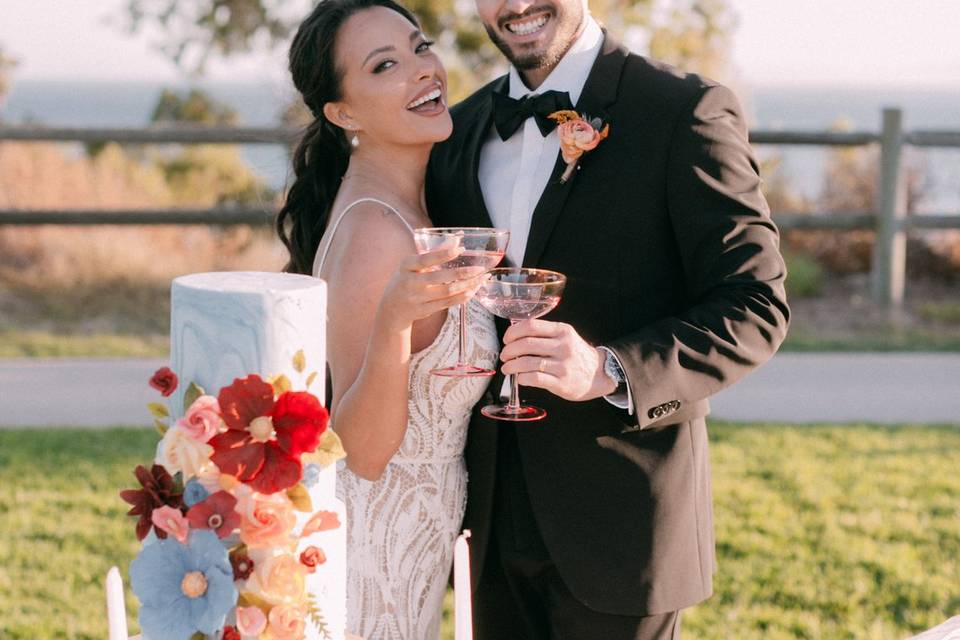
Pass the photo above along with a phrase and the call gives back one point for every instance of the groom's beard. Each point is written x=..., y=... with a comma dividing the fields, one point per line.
x=567, y=28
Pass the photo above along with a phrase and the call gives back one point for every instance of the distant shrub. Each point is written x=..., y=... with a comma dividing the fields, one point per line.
x=804, y=276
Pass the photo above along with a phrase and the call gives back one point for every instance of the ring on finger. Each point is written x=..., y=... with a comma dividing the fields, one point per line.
x=543, y=365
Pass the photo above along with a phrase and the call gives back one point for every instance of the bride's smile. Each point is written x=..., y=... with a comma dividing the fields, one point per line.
x=429, y=102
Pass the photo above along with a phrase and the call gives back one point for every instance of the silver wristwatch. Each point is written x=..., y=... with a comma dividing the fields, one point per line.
x=611, y=367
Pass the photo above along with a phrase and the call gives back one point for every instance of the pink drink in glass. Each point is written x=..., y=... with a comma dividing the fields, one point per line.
x=519, y=294
x=483, y=249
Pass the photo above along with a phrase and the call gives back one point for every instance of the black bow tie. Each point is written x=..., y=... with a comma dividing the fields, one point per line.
x=509, y=114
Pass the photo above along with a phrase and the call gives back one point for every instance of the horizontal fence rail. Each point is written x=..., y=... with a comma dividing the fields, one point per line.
x=890, y=221
x=73, y=217
x=172, y=134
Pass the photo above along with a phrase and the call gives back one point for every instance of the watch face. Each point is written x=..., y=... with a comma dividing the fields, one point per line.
x=612, y=368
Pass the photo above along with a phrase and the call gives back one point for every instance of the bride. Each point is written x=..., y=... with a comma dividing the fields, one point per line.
x=377, y=93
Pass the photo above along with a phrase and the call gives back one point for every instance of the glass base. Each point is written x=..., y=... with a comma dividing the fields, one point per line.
x=523, y=413
x=463, y=371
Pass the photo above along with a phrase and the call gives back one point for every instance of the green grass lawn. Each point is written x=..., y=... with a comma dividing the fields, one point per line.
x=822, y=532
x=45, y=344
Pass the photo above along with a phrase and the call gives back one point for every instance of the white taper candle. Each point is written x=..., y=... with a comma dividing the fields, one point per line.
x=116, y=611
x=463, y=607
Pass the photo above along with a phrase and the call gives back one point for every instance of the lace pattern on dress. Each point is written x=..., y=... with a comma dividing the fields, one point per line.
x=401, y=528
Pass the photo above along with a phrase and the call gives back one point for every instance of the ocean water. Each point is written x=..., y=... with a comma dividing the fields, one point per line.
x=812, y=108
x=859, y=109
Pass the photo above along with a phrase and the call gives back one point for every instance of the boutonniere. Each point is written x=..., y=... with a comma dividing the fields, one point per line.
x=578, y=134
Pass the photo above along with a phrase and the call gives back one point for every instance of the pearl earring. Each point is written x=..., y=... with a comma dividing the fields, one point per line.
x=355, y=141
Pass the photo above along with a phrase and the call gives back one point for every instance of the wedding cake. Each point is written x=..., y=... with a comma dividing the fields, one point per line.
x=257, y=340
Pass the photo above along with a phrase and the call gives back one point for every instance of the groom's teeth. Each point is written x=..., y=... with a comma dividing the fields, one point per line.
x=433, y=95
x=528, y=27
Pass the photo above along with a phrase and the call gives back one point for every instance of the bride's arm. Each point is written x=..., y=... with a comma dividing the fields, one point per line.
x=377, y=290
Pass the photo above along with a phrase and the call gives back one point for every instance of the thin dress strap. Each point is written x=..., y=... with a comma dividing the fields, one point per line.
x=318, y=264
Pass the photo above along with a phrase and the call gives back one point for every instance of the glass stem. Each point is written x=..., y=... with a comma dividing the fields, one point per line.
x=462, y=349
x=514, y=405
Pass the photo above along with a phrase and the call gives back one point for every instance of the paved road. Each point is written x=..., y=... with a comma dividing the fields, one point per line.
x=882, y=388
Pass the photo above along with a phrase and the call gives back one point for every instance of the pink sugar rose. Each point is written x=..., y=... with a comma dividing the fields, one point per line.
x=172, y=521
x=577, y=136
x=266, y=519
x=287, y=622
x=202, y=420
x=251, y=621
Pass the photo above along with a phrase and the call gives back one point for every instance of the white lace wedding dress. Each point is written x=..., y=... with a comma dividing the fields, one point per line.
x=401, y=528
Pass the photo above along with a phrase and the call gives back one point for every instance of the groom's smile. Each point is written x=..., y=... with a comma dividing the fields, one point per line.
x=527, y=27
x=532, y=35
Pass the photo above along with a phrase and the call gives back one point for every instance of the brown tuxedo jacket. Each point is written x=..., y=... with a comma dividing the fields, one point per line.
x=673, y=262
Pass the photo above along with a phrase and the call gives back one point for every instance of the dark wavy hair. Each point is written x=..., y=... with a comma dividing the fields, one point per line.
x=322, y=155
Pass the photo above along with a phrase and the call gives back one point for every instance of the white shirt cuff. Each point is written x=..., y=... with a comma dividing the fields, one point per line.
x=620, y=400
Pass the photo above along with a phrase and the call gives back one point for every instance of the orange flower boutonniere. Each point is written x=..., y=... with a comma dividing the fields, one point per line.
x=578, y=134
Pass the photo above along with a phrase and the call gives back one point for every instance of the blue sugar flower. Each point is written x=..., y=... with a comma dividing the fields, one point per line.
x=194, y=493
x=311, y=475
x=183, y=588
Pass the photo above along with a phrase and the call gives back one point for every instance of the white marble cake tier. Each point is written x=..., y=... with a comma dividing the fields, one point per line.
x=228, y=325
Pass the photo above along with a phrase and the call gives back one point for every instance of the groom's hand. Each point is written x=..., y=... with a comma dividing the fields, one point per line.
x=553, y=356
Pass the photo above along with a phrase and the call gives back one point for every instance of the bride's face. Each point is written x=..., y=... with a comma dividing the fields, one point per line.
x=394, y=87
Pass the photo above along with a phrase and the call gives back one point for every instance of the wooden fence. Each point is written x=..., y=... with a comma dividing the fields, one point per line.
x=889, y=221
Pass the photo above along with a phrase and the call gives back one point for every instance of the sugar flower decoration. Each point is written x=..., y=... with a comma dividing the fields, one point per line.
x=251, y=621
x=194, y=492
x=242, y=564
x=287, y=622
x=183, y=588
x=265, y=437
x=202, y=419
x=171, y=522
x=164, y=380
x=266, y=520
x=217, y=513
x=312, y=557
x=179, y=452
x=157, y=489
x=278, y=579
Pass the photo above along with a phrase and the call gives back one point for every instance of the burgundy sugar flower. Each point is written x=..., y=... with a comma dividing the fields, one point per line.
x=242, y=565
x=165, y=381
x=158, y=490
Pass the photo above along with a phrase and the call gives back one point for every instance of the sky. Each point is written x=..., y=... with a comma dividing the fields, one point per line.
x=776, y=42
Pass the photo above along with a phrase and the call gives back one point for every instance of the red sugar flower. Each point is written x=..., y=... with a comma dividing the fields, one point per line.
x=312, y=557
x=158, y=490
x=165, y=381
x=217, y=512
x=230, y=633
x=265, y=437
x=242, y=565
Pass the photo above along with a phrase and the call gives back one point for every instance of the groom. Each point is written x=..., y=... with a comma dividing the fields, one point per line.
x=597, y=521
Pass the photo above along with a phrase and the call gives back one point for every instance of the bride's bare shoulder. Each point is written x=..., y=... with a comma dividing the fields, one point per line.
x=370, y=238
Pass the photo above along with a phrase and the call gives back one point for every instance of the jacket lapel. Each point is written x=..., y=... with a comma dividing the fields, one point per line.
x=599, y=92
x=473, y=145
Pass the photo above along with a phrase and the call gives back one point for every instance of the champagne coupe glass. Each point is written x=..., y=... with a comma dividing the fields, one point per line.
x=483, y=249
x=519, y=294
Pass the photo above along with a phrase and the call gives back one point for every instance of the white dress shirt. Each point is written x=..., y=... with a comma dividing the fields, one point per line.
x=513, y=173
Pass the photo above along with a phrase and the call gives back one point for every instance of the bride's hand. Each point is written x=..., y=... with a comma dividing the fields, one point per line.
x=418, y=289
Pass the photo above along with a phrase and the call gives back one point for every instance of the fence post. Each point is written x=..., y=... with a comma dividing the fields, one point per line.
x=890, y=249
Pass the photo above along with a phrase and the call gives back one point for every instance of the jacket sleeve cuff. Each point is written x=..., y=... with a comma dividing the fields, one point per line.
x=621, y=399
